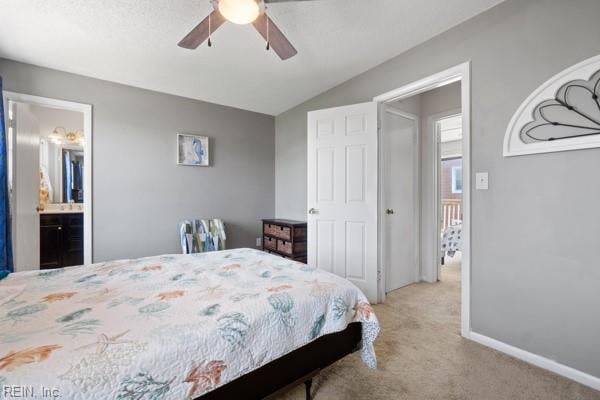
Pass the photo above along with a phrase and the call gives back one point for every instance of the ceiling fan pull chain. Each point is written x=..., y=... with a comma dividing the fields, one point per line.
x=209, y=32
x=268, y=42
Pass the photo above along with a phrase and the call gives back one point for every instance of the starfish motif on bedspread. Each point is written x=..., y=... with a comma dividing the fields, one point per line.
x=104, y=341
x=212, y=292
x=204, y=377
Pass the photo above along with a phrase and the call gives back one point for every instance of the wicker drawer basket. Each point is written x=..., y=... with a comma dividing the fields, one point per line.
x=282, y=232
x=270, y=243
x=291, y=248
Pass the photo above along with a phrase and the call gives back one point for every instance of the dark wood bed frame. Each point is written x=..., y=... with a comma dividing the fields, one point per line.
x=297, y=367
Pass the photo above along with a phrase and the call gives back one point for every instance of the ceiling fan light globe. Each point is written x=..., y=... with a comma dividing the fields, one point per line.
x=239, y=11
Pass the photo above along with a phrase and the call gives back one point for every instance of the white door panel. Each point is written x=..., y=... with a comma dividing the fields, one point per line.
x=401, y=156
x=342, y=193
x=325, y=236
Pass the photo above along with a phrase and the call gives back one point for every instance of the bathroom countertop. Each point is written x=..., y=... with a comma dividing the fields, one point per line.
x=63, y=209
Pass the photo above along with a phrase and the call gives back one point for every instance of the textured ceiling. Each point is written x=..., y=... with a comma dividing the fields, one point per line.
x=134, y=42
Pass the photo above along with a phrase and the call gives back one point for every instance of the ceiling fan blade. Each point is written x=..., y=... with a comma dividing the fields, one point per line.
x=277, y=39
x=200, y=33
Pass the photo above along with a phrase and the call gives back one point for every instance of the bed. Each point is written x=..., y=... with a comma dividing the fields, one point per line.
x=229, y=324
x=451, y=241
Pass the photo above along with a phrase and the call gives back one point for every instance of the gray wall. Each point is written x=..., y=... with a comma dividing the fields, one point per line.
x=535, y=269
x=139, y=194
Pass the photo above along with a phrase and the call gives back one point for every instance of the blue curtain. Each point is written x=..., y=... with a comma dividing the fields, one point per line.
x=6, y=264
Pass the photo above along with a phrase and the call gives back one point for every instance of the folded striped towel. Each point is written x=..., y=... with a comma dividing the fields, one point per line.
x=202, y=235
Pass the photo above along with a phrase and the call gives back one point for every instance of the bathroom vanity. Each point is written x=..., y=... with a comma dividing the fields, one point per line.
x=61, y=238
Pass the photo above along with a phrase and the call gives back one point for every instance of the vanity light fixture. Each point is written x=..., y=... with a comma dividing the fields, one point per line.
x=60, y=135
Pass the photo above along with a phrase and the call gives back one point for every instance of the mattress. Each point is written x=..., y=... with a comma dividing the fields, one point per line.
x=167, y=327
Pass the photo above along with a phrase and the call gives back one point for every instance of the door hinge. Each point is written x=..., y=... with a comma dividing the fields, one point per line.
x=378, y=275
x=12, y=123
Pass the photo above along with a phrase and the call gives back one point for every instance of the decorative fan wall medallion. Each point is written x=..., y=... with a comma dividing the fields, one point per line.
x=562, y=114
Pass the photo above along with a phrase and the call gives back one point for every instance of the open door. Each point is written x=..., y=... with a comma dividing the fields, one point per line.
x=400, y=153
x=342, y=193
x=26, y=188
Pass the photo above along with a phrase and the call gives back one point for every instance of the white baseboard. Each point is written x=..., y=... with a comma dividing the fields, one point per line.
x=538, y=361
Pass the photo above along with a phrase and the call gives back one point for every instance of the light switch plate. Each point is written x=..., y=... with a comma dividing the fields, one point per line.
x=481, y=181
x=258, y=242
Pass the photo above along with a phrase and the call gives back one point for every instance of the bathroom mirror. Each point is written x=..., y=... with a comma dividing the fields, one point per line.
x=61, y=165
x=72, y=175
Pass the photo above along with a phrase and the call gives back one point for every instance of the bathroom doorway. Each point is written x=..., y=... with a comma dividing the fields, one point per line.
x=49, y=158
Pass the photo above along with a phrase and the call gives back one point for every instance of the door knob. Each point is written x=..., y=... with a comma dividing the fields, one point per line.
x=389, y=211
x=312, y=211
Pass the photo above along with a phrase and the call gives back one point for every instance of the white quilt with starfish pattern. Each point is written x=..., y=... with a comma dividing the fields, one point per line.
x=167, y=327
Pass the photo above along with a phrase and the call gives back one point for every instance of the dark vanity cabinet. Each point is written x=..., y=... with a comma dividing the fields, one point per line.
x=61, y=240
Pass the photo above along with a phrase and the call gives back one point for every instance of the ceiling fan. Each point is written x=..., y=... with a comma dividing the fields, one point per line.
x=241, y=12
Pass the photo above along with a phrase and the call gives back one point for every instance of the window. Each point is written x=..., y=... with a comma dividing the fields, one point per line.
x=457, y=179
x=562, y=114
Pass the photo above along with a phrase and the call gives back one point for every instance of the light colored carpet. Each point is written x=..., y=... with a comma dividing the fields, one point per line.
x=421, y=355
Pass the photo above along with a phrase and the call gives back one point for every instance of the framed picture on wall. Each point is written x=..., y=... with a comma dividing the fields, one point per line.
x=192, y=150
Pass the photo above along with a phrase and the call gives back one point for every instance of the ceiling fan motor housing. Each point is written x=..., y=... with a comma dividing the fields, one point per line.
x=240, y=11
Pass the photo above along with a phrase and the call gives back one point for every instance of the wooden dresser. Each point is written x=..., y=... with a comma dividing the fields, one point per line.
x=286, y=238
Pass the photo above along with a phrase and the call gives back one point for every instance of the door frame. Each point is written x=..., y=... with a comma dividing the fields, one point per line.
x=435, y=268
x=382, y=167
x=462, y=73
x=86, y=109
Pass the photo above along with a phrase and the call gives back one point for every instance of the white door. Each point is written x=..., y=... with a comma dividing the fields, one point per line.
x=401, y=219
x=342, y=193
x=26, y=186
